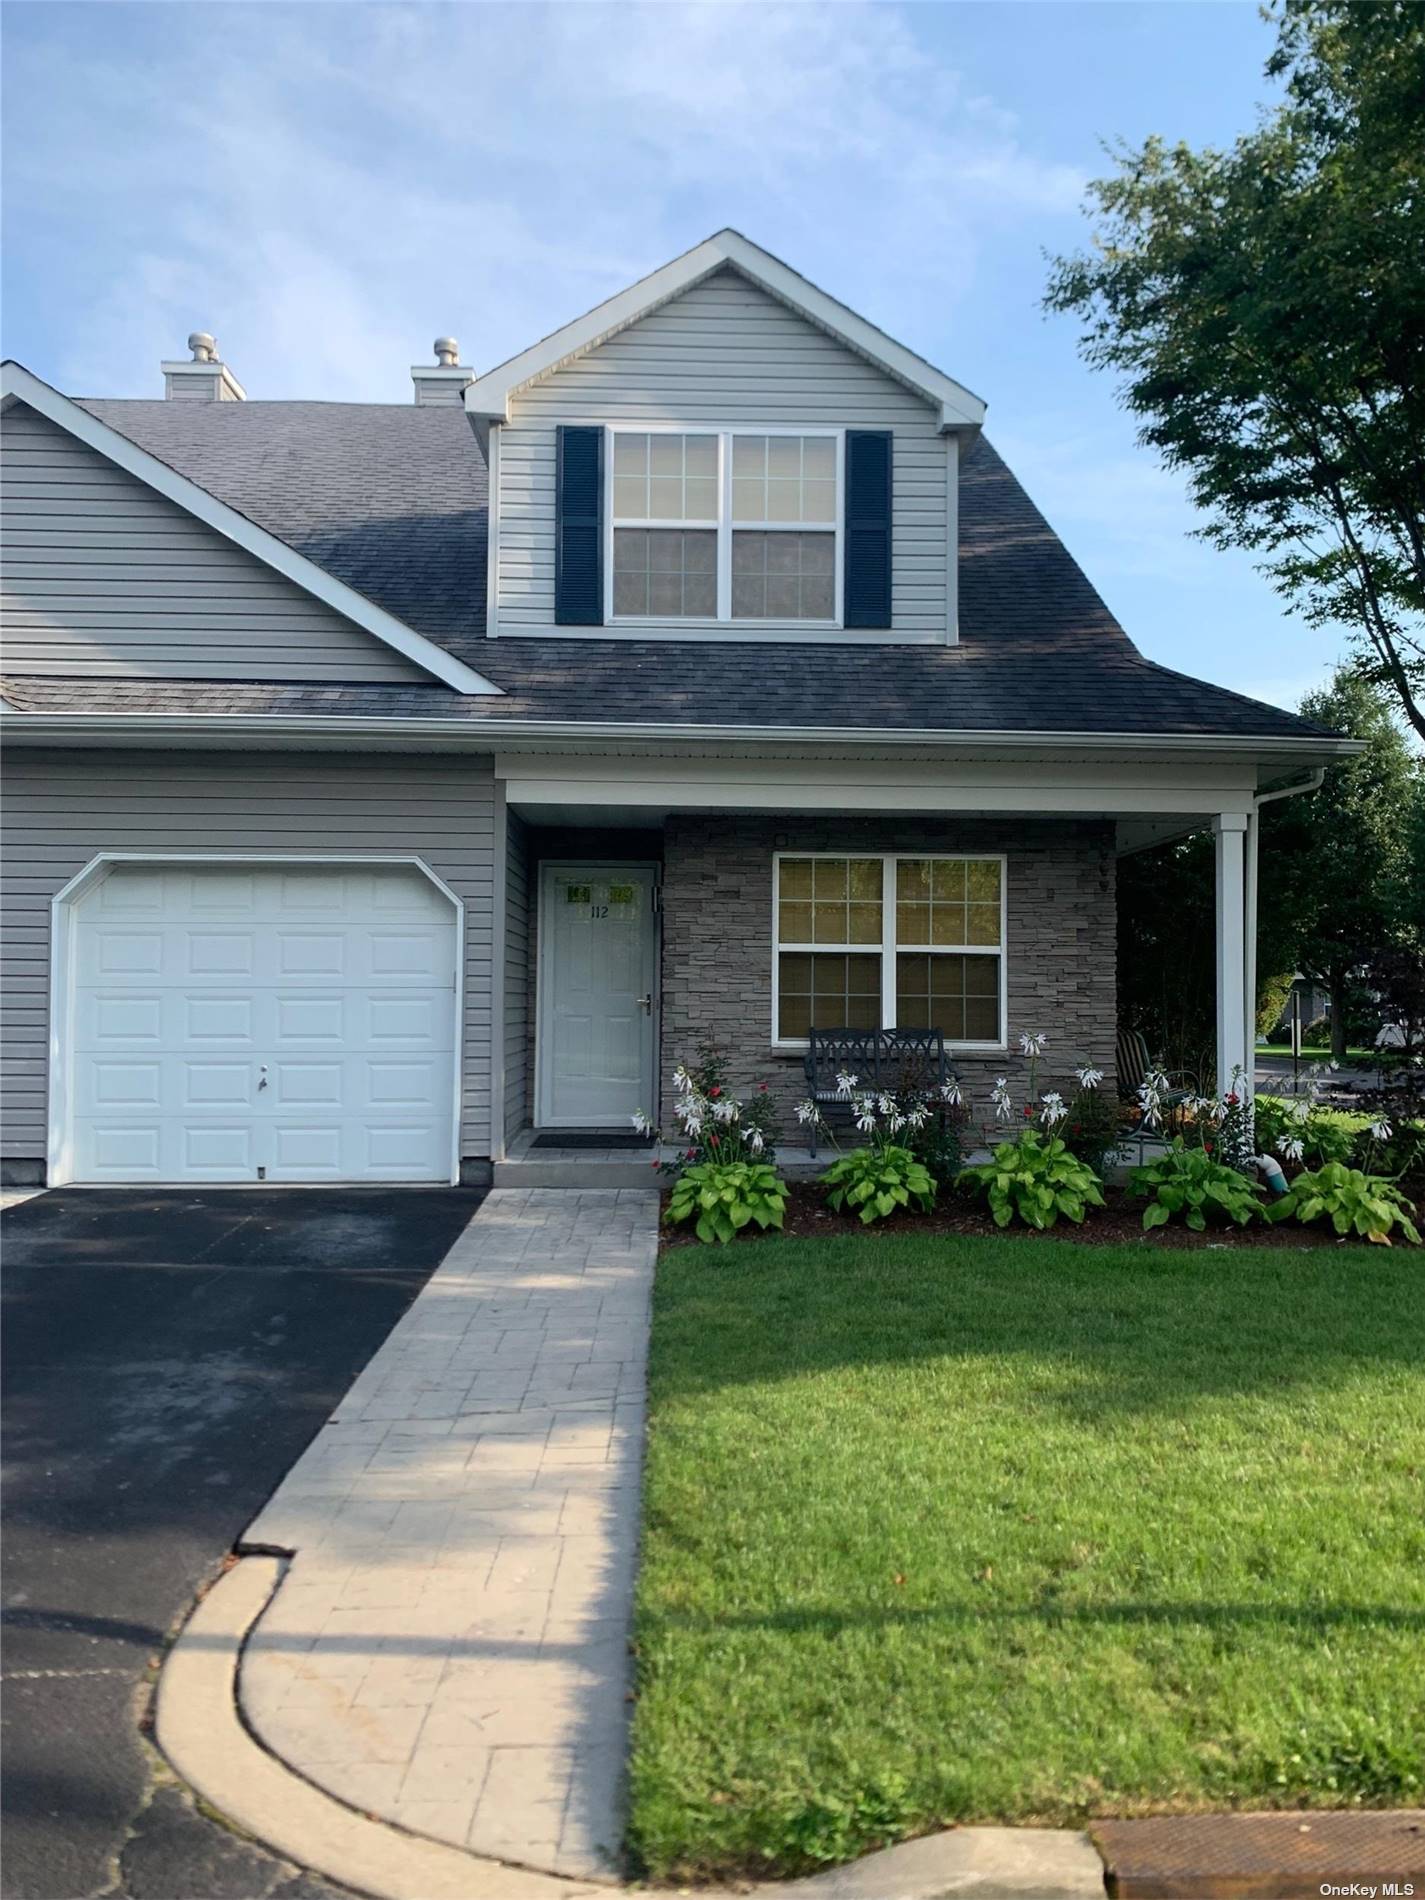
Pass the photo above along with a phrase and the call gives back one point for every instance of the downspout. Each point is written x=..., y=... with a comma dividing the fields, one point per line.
x=1311, y=783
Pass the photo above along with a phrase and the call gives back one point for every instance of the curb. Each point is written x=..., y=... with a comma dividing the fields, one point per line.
x=201, y=1732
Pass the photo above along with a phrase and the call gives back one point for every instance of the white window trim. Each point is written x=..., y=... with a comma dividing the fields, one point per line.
x=724, y=526
x=888, y=945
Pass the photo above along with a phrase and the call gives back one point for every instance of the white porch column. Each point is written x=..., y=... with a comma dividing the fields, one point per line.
x=1234, y=1024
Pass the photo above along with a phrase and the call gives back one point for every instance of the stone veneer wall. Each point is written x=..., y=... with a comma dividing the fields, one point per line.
x=717, y=939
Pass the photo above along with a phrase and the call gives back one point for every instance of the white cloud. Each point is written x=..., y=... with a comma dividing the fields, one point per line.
x=327, y=187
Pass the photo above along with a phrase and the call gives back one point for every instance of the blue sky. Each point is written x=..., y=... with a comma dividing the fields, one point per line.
x=326, y=187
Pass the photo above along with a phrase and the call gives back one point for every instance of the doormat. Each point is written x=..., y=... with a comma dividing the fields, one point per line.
x=589, y=1138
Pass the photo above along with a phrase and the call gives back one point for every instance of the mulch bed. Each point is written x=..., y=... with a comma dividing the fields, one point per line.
x=1120, y=1221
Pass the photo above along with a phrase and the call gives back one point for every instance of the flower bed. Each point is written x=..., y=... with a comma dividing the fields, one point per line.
x=1120, y=1219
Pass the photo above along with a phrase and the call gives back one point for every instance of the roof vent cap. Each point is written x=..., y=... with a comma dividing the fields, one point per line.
x=206, y=378
x=446, y=381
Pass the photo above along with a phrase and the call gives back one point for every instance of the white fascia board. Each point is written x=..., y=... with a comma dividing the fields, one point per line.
x=558, y=735
x=489, y=395
x=23, y=386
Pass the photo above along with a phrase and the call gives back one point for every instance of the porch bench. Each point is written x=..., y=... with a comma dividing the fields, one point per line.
x=880, y=1059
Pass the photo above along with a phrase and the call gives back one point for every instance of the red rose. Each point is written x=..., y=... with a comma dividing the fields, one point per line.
x=712, y=1141
x=1028, y=1114
x=1232, y=1101
x=714, y=1090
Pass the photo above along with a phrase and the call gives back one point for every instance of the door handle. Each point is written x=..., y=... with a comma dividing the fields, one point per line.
x=645, y=1003
x=262, y=1078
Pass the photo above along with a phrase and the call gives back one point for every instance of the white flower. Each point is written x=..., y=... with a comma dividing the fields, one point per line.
x=845, y=1083
x=807, y=1112
x=692, y=1122
x=1053, y=1109
x=895, y=1121
x=682, y=1081
x=950, y=1092
x=726, y=1109
x=917, y=1117
x=886, y=1104
x=641, y=1122
x=1381, y=1130
x=1000, y=1096
x=755, y=1141
x=1032, y=1045
x=866, y=1116
x=1289, y=1147
x=1150, y=1095
x=1298, y=1111
x=1089, y=1078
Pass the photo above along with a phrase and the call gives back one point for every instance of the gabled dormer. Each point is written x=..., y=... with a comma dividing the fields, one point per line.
x=724, y=452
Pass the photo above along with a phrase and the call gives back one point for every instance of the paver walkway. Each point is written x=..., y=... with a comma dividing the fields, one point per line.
x=448, y=1649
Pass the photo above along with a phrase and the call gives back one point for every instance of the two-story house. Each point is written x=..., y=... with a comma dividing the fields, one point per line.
x=383, y=781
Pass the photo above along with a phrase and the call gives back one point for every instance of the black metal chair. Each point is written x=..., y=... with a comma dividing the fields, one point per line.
x=1134, y=1064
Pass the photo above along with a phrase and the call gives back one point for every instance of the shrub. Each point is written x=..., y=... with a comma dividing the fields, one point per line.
x=1299, y=1130
x=1035, y=1178
x=878, y=1180
x=1092, y=1128
x=939, y=1143
x=713, y=1123
x=1317, y=1033
x=1355, y=1203
x=1187, y=1181
x=724, y=1196
x=1402, y=1151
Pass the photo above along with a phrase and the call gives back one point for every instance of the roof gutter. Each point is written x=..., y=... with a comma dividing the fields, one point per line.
x=489, y=734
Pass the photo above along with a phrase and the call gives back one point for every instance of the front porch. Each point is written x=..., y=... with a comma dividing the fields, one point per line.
x=639, y=916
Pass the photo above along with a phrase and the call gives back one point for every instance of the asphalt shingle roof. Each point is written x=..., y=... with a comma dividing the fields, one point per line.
x=392, y=500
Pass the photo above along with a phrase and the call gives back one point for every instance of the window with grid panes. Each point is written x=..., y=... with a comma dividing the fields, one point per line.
x=886, y=941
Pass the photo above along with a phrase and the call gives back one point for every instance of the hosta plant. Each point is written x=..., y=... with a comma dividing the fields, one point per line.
x=723, y=1197
x=1034, y=1178
x=1353, y=1202
x=1186, y=1182
x=879, y=1180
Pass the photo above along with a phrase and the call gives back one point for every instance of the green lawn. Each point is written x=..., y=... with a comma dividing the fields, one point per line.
x=945, y=1530
x=1355, y=1053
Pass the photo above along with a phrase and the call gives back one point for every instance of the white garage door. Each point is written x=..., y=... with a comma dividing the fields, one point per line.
x=259, y=1023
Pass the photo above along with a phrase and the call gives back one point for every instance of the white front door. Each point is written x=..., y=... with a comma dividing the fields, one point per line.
x=598, y=955
x=262, y=1023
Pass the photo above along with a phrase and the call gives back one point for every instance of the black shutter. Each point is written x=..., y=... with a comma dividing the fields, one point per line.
x=579, y=529
x=866, y=589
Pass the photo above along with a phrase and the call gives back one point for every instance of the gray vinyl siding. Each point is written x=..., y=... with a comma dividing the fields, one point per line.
x=723, y=353
x=101, y=575
x=61, y=809
x=519, y=938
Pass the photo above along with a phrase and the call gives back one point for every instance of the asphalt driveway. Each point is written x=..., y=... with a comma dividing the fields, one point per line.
x=166, y=1357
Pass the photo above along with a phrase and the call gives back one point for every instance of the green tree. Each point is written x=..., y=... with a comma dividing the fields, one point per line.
x=1263, y=308
x=1339, y=860
x=1341, y=883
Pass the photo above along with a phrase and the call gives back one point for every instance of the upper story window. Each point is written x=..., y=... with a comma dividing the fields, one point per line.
x=725, y=525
